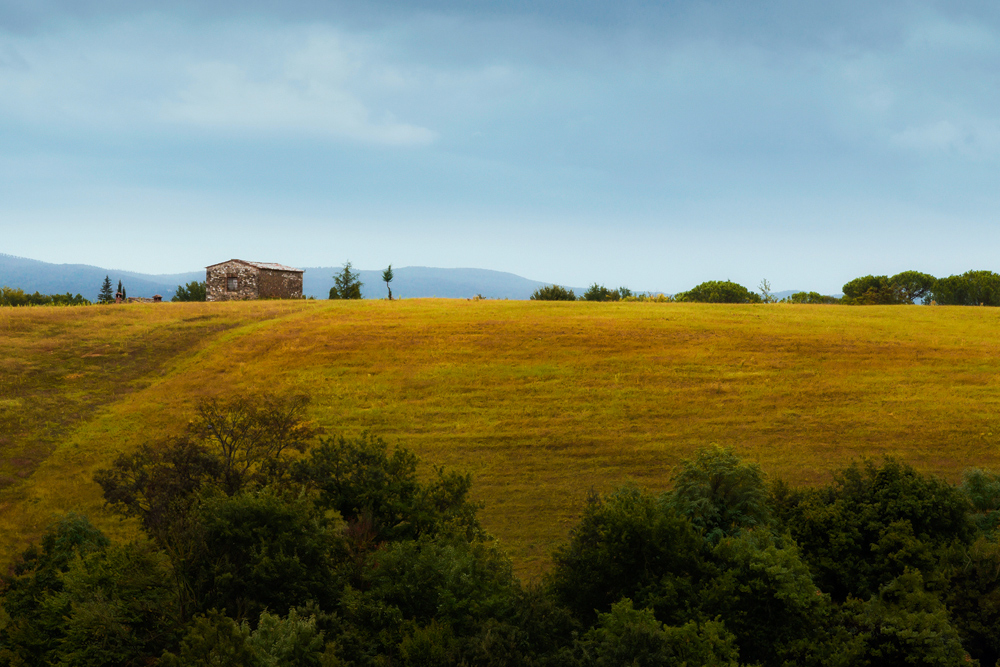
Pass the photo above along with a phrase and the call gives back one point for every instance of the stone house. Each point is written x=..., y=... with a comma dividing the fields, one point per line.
x=239, y=280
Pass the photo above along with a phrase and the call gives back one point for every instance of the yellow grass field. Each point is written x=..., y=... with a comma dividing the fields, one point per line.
x=541, y=401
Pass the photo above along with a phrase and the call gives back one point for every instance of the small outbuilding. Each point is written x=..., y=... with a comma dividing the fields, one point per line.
x=240, y=280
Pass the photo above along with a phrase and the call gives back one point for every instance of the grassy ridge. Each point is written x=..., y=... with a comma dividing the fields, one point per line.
x=542, y=402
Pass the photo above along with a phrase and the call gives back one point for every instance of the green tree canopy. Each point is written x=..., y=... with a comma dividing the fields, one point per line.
x=811, y=298
x=630, y=544
x=553, y=293
x=720, y=493
x=914, y=285
x=600, y=293
x=378, y=490
x=193, y=291
x=873, y=522
x=719, y=291
x=873, y=291
x=973, y=288
x=261, y=550
x=765, y=595
x=633, y=637
x=903, y=624
x=34, y=630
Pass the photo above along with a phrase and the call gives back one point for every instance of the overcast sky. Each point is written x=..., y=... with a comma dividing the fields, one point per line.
x=651, y=145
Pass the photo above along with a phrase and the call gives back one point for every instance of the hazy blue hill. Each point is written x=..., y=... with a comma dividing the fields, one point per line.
x=423, y=281
x=409, y=282
x=34, y=276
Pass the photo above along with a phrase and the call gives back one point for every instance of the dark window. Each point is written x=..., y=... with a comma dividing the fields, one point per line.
x=231, y=283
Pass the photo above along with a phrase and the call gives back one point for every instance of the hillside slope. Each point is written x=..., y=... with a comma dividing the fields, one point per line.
x=541, y=402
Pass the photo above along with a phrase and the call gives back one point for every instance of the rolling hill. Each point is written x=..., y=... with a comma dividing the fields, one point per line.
x=542, y=402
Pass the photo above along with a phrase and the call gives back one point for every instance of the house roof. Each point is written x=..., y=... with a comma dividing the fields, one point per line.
x=260, y=265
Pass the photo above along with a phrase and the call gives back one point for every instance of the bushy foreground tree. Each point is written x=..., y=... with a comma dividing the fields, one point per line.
x=721, y=494
x=268, y=544
x=79, y=600
x=873, y=523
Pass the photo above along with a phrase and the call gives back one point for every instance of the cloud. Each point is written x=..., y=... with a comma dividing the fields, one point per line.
x=307, y=95
x=139, y=75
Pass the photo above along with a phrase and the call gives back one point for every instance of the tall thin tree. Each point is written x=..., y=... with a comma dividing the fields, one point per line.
x=387, y=278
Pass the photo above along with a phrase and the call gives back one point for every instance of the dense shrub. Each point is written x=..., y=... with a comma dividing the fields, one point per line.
x=719, y=291
x=601, y=293
x=649, y=297
x=811, y=298
x=193, y=291
x=553, y=293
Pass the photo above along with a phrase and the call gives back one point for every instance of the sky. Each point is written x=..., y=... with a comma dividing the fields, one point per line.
x=652, y=145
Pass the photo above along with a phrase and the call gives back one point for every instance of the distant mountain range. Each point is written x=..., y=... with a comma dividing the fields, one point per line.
x=409, y=281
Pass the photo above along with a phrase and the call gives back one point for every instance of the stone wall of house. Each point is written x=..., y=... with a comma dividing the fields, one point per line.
x=273, y=284
x=217, y=282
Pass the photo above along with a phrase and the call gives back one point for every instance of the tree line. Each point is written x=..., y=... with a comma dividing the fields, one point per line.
x=973, y=288
x=266, y=542
x=17, y=297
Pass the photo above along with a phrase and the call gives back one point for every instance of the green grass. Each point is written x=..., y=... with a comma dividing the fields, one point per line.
x=540, y=401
